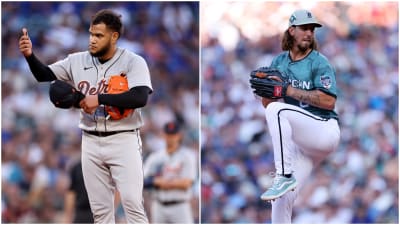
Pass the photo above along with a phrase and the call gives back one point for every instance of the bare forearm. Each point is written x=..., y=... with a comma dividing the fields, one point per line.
x=69, y=203
x=181, y=183
x=315, y=98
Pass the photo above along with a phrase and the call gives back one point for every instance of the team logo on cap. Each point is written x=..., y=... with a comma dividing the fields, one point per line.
x=309, y=15
x=292, y=18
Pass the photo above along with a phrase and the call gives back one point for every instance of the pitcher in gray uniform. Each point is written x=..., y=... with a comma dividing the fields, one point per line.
x=111, y=149
x=170, y=174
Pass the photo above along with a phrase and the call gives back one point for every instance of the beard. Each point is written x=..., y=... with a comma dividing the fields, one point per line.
x=101, y=52
x=304, y=47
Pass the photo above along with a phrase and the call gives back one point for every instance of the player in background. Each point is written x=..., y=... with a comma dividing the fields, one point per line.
x=111, y=149
x=76, y=202
x=304, y=128
x=169, y=174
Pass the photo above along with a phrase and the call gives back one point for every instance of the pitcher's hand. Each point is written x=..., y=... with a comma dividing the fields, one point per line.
x=25, y=44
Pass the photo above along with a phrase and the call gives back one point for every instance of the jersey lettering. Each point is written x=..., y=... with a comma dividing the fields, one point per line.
x=305, y=85
x=85, y=88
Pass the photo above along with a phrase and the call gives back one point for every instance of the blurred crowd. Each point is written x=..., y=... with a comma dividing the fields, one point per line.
x=358, y=183
x=39, y=141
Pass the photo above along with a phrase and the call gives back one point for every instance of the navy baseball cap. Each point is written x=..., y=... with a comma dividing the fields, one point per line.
x=302, y=17
x=172, y=128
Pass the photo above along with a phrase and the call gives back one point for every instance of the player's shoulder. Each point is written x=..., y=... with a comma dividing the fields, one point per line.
x=319, y=57
x=187, y=152
x=155, y=156
x=158, y=154
x=129, y=55
x=80, y=54
x=282, y=55
x=280, y=58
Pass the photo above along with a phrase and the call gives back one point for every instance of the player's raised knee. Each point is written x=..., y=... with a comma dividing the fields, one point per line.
x=274, y=107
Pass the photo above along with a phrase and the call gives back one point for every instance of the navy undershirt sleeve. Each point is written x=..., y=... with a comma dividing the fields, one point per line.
x=136, y=97
x=40, y=71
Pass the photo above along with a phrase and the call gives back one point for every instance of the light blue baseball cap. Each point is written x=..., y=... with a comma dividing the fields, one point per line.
x=302, y=17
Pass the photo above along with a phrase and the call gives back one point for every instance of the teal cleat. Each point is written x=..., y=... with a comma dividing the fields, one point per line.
x=280, y=186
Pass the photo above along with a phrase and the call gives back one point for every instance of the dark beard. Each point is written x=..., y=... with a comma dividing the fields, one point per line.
x=303, y=48
x=101, y=52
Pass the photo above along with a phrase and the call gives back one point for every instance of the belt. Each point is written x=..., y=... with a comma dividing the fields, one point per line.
x=171, y=202
x=108, y=133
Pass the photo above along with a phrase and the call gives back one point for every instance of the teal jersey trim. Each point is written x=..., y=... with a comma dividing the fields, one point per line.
x=310, y=73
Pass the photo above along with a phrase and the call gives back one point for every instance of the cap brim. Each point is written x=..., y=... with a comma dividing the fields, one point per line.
x=313, y=23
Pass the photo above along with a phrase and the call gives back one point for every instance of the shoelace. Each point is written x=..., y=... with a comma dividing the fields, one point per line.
x=277, y=179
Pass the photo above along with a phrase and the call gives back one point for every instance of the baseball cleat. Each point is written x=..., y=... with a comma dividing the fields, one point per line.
x=280, y=187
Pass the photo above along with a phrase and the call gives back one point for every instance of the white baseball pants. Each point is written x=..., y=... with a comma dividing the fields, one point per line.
x=301, y=141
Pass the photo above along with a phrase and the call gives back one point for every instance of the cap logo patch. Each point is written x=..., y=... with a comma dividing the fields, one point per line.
x=292, y=19
x=309, y=15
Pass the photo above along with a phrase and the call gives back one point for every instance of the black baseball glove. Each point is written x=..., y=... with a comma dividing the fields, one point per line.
x=63, y=95
x=269, y=83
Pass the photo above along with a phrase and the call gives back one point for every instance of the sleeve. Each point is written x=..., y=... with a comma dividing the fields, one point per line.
x=273, y=63
x=136, y=97
x=190, y=170
x=139, y=75
x=62, y=69
x=40, y=71
x=325, y=78
x=149, y=168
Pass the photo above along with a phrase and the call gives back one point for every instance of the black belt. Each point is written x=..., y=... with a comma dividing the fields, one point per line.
x=171, y=202
x=108, y=133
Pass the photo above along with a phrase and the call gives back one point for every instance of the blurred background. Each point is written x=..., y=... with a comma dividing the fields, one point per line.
x=359, y=182
x=40, y=142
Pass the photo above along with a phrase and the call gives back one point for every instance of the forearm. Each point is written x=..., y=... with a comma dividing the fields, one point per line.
x=177, y=183
x=315, y=98
x=40, y=71
x=69, y=203
x=134, y=98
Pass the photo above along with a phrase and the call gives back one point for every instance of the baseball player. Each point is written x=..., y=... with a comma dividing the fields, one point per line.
x=304, y=127
x=170, y=174
x=111, y=148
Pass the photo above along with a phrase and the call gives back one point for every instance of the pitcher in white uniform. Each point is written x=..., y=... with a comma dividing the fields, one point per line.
x=111, y=149
x=170, y=174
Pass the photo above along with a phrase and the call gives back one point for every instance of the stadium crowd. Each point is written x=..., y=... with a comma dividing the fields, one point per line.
x=358, y=183
x=39, y=141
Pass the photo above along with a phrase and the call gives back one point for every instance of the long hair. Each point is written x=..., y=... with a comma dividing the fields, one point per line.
x=288, y=40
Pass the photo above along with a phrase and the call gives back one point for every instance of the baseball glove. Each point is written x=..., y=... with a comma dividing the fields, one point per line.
x=63, y=95
x=116, y=85
x=268, y=83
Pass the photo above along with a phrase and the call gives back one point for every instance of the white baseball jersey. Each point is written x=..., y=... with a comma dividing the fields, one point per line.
x=91, y=77
x=180, y=164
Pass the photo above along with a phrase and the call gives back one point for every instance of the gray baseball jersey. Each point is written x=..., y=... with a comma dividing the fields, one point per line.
x=115, y=158
x=180, y=164
x=90, y=77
